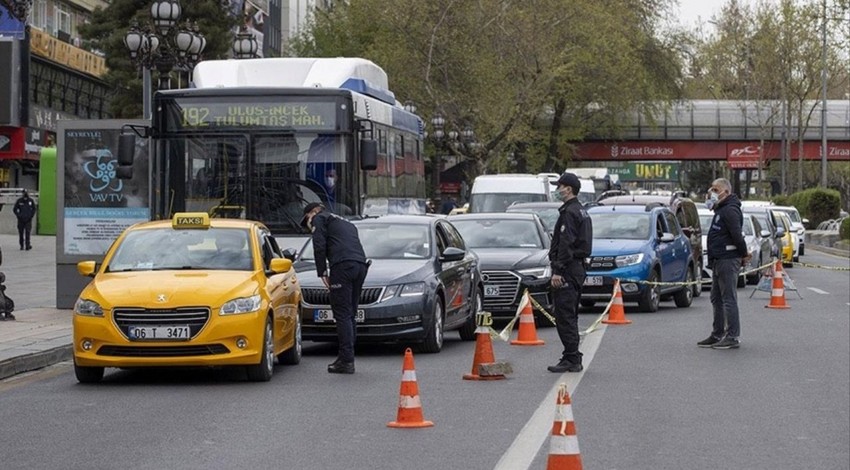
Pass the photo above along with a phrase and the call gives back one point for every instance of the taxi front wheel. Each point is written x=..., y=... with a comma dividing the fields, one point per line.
x=88, y=375
x=263, y=371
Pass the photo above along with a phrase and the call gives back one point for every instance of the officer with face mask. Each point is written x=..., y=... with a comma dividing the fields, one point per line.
x=572, y=242
x=341, y=264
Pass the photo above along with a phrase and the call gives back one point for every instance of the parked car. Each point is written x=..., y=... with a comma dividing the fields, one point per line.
x=638, y=243
x=798, y=224
x=513, y=251
x=788, y=237
x=547, y=211
x=190, y=291
x=767, y=221
x=423, y=281
x=685, y=211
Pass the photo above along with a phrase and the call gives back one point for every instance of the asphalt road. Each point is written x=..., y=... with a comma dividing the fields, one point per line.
x=648, y=399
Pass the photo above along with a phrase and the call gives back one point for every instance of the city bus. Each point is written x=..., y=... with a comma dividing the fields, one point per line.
x=262, y=138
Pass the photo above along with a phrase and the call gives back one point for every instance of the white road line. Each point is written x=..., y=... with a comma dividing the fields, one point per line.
x=818, y=291
x=525, y=446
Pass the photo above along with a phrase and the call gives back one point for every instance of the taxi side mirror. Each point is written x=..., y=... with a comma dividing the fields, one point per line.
x=86, y=268
x=280, y=265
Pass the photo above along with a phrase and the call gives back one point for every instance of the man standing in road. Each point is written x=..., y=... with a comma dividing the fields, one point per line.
x=572, y=242
x=337, y=249
x=727, y=252
x=24, y=210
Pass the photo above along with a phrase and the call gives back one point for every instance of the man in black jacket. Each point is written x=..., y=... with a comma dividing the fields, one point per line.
x=25, y=211
x=337, y=249
x=727, y=252
x=572, y=241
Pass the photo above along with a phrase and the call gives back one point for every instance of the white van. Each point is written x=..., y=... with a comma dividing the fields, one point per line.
x=494, y=193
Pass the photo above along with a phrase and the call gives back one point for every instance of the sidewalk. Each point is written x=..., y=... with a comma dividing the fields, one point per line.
x=41, y=335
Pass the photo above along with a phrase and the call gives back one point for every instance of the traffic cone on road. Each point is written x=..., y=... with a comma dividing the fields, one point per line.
x=563, y=443
x=527, y=335
x=409, y=404
x=483, y=349
x=777, y=292
x=616, y=313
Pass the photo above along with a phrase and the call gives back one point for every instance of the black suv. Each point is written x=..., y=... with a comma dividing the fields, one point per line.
x=686, y=213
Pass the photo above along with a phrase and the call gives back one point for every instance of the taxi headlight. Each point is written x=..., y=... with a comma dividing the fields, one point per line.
x=88, y=307
x=414, y=288
x=628, y=260
x=241, y=305
x=538, y=273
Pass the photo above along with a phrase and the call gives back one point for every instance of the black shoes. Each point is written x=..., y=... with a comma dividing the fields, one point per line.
x=339, y=367
x=565, y=366
x=29, y=247
x=708, y=342
x=727, y=343
x=6, y=317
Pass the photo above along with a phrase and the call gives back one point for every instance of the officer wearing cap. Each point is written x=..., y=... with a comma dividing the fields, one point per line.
x=341, y=264
x=571, y=245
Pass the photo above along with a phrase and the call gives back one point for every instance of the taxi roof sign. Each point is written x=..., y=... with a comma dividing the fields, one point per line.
x=190, y=220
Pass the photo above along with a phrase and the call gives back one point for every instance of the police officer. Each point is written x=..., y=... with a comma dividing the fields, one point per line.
x=571, y=245
x=25, y=210
x=337, y=249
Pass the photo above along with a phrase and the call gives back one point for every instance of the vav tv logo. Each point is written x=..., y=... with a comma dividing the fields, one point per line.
x=102, y=171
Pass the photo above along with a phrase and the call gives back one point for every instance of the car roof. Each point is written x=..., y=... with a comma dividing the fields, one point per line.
x=399, y=219
x=640, y=199
x=493, y=215
x=624, y=208
x=536, y=205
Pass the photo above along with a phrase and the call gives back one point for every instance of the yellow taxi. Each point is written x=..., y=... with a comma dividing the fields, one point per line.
x=787, y=252
x=190, y=291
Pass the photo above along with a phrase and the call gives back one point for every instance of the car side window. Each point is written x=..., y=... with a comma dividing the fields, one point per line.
x=659, y=226
x=455, y=238
x=442, y=240
x=268, y=248
x=672, y=224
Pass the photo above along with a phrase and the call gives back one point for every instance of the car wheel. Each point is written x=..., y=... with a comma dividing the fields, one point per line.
x=742, y=281
x=753, y=278
x=434, y=332
x=263, y=371
x=292, y=355
x=467, y=331
x=651, y=295
x=88, y=375
x=684, y=297
x=697, y=288
x=587, y=303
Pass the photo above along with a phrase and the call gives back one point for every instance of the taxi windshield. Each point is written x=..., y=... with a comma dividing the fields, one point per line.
x=169, y=249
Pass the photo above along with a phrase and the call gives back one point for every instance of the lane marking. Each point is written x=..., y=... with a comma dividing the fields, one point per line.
x=526, y=445
x=818, y=291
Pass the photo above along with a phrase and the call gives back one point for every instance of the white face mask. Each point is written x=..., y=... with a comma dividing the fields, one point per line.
x=562, y=191
x=330, y=181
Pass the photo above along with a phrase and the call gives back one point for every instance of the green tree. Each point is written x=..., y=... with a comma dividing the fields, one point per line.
x=109, y=25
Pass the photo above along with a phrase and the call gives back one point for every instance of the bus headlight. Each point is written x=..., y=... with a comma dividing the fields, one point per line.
x=241, y=305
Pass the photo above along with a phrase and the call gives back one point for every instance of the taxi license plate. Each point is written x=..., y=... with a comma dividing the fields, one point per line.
x=327, y=315
x=159, y=332
x=491, y=291
x=593, y=281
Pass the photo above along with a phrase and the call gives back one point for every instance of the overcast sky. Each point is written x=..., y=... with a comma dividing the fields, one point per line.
x=692, y=10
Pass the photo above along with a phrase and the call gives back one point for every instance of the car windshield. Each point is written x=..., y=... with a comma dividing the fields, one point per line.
x=548, y=215
x=499, y=202
x=495, y=233
x=165, y=248
x=619, y=225
x=389, y=241
x=747, y=228
x=793, y=215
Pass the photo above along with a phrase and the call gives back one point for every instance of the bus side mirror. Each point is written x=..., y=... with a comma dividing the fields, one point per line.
x=368, y=154
x=126, y=149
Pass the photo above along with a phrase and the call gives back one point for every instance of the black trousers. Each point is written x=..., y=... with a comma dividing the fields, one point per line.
x=346, y=281
x=24, y=229
x=566, y=300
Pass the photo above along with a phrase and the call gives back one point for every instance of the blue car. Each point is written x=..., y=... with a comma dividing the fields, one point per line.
x=637, y=244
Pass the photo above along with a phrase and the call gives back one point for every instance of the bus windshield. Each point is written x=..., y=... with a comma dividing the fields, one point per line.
x=261, y=176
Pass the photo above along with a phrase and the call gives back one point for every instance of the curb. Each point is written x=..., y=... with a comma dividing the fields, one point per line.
x=34, y=361
x=830, y=250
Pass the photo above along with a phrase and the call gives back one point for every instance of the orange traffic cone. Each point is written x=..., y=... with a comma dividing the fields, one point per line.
x=563, y=443
x=483, y=349
x=777, y=293
x=527, y=335
x=616, y=313
x=409, y=404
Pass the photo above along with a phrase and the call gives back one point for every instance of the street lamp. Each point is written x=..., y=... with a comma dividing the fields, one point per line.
x=245, y=45
x=163, y=46
x=18, y=9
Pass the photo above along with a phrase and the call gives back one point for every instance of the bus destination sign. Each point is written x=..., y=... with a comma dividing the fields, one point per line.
x=191, y=114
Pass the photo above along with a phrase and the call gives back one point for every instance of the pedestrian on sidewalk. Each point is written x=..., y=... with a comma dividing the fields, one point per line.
x=727, y=253
x=24, y=210
x=6, y=304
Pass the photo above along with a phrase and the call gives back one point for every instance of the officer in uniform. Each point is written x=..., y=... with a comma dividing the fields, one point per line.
x=571, y=245
x=337, y=249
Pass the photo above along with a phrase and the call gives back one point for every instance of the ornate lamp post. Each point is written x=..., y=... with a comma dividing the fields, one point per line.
x=163, y=45
x=245, y=45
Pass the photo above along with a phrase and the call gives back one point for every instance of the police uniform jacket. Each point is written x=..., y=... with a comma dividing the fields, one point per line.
x=24, y=208
x=334, y=240
x=572, y=241
x=725, y=239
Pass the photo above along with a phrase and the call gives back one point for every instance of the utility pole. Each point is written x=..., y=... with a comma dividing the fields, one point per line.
x=823, y=179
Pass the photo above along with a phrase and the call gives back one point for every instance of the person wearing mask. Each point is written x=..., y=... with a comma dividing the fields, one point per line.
x=727, y=252
x=24, y=210
x=342, y=266
x=572, y=242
